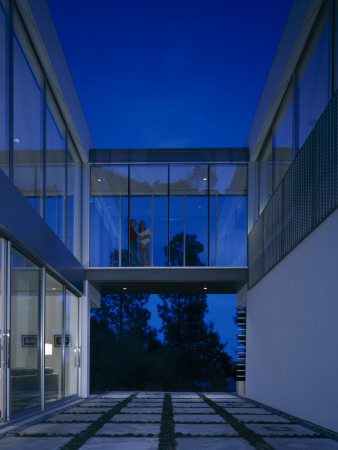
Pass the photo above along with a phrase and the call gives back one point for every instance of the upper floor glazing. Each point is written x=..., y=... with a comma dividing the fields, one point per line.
x=312, y=84
x=196, y=214
x=37, y=150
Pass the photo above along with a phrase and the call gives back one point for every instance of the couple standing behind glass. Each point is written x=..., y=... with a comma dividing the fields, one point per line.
x=143, y=235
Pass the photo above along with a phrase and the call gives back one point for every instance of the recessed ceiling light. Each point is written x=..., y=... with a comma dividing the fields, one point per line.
x=205, y=288
x=124, y=289
x=16, y=140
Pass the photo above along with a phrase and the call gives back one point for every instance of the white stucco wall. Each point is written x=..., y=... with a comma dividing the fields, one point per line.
x=292, y=331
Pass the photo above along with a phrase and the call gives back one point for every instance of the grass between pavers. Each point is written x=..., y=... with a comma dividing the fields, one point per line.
x=254, y=439
x=89, y=432
x=167, y=432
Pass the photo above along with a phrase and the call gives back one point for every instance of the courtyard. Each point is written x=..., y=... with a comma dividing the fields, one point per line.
x=158, y=420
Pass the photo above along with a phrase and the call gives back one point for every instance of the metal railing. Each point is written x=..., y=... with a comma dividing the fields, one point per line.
x=305, y=197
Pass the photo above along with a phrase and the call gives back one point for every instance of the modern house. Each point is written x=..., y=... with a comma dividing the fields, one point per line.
x=260, y=222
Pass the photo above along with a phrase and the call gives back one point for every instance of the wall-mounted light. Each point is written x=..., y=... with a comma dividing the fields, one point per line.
x=17, y=140
x=205, y=179
x=124, y=288
x=99, y=179
x=205, y=288
x=48, y=349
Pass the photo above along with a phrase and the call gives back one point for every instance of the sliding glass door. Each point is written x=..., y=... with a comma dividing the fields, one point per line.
x=25, y=380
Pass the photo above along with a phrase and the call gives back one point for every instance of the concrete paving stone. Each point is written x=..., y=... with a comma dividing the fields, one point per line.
x=153, y=396
x=213, y=443
x=80, y=409
x=187, y=400
x=302, y=444
x=198, y=418
x=193, y=410
x=34, y=443
x=220, y=396
x=190, y=405
x=252, y=410
x=186, y=396
x=74, y=417
x=120, y=443
x=130, y=428
x=96, y=405
x=260, y=418
x=116, y=396
x=280, y=430
x=145, y=402
x=136, y=418
x=56, y=428
x=137, y=410
x=205, y=429
x=230, y=400
x=103, y=401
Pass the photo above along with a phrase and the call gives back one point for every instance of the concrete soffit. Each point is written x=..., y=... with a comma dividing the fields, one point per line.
x=47, y=66
x=286, y=78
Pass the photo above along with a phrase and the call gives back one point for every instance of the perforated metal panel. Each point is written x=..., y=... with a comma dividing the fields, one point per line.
x=306, y=196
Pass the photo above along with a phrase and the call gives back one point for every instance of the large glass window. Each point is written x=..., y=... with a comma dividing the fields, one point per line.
x=25, y=334
x=28, y=119
x=55, y=168
x=149, y=204
x=185, y=228
x=53, y=340
x=109, y=216
x=228, y=215
x=73, y=240
x=4, y=111
x=314, y=79
x=188, y=245
x=71, y=344
x=265, y=175
x=282, y=141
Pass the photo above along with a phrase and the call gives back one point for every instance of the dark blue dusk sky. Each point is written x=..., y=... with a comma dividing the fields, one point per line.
x=169, y=73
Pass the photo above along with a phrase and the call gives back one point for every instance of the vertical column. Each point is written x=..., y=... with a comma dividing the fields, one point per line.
x=42, y=333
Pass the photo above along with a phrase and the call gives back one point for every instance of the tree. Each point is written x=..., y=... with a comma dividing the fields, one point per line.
x=192, y=249
x=123, y=345
x=200, y=354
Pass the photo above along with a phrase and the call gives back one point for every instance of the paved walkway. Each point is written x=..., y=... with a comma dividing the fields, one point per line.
x=153, y=420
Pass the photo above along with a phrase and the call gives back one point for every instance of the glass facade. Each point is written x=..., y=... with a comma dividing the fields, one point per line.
x=54, y=329
x=4, y=92
x=282, y=139
x=28, y=112
x=313, y=77
x=55, y=168
x=313, y=84
x=25, y=381
x=72, y=351
x=37, y=150
x=195, y=215
x=42, y=316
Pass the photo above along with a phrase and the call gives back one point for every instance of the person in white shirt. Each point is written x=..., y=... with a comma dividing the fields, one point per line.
x=144, y=235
